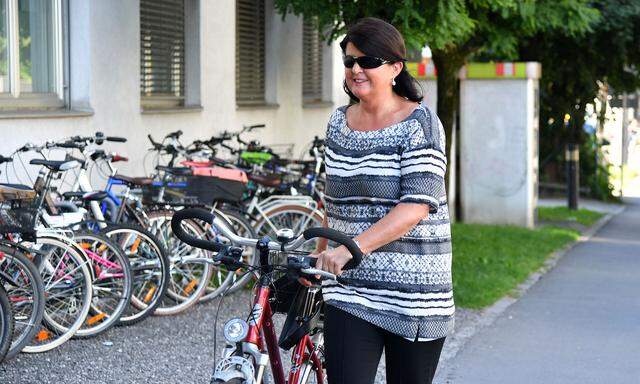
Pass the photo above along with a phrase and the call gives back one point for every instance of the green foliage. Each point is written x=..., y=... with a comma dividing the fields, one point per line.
x=595, y=174
x=489, y=261
x=496, y=25
x=574, y=69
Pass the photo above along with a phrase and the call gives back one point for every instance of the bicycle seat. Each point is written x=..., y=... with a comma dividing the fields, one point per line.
x=133, y=180
x=56, y=165
x=271, y=181
x=86, y=196
x=176, y=171
x=12, y=192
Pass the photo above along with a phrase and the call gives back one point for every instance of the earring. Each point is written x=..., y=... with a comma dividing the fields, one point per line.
x=393, y=82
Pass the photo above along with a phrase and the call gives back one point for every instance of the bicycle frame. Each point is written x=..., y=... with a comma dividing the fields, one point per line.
x=262, y=335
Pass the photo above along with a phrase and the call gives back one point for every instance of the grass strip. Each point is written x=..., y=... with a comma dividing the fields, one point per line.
x=489, y=261
x=564, y=214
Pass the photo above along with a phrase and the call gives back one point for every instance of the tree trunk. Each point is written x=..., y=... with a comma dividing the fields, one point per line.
x=448, y=64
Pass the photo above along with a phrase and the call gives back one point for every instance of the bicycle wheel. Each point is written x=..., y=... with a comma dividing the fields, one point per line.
x=67, y=285
x=240, y=278
x=293, y=216
x=189, y=279
x=6, y=323
x=149, y=266
x=26, y=294
x=112, y=283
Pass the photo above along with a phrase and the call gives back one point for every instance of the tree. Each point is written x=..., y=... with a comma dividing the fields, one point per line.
x=576, y=70
x=453, y=29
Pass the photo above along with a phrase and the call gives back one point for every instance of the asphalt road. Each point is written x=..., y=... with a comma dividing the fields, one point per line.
x=176, y=349
x=578, y=324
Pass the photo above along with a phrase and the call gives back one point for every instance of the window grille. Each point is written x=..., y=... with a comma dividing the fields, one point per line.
x=162, y=52
x=250, y=52
x=312, y=46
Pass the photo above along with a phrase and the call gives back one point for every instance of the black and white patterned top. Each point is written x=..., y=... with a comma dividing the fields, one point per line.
x=404, y=287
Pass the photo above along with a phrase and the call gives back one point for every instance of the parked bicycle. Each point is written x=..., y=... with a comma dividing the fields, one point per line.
x=252, y=343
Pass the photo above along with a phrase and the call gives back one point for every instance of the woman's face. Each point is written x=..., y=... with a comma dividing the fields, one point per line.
x=365, y=83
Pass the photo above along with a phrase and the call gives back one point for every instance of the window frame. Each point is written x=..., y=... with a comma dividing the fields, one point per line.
x=15, y=99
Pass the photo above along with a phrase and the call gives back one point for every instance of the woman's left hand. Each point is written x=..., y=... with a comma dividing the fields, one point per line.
x=333, y=260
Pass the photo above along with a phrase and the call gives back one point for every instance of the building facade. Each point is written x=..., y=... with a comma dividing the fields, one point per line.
x=137, y=67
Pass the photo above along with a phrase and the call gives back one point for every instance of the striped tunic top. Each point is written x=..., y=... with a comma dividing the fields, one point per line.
x=404, y=287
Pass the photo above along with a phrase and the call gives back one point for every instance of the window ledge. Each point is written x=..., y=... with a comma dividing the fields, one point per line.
x=160, y=111
x=317, y=104
x=45, y=114
x=249, y=107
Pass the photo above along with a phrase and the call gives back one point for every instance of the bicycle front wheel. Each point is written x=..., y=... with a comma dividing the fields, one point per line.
x=6, y=323
x=26, y=294
x=112, y=283
x=189, y=277
x=67, y=285
x=149, y=266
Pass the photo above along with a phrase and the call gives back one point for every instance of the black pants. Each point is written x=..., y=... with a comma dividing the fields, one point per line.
x=353, y=348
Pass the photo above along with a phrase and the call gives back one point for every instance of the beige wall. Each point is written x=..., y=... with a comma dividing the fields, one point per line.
x=105, y=57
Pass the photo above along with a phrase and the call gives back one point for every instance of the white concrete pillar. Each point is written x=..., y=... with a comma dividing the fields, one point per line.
x=499, y=143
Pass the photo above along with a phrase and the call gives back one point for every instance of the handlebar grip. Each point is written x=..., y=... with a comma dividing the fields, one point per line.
x=68, y=144
x=338, y=237
x=188, y=214
x=117, y=139
x=5, y=159
x=175, y=135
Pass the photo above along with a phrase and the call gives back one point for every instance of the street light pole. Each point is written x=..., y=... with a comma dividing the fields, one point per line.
x=572, y=157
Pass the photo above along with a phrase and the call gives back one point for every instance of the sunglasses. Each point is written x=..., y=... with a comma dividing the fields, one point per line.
x=365, y=62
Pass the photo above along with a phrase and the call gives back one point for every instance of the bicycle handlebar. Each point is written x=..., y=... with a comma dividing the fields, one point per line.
x=116, y=139
x=311, y=233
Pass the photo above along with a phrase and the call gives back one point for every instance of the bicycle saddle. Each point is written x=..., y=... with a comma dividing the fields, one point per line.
x=266, y=180
x=133, y=180
x=12, y=192
x=86, y=196
x=56, y=165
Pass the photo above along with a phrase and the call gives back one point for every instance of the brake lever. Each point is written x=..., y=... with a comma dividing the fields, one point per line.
x=231, y=257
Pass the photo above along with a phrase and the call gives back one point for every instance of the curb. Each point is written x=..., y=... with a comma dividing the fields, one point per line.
x=488, y=315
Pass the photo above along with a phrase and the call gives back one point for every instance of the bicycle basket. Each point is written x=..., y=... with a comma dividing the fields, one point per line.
x=209, y=189
x=17, y=217
x=283, y=293
x=173, y=192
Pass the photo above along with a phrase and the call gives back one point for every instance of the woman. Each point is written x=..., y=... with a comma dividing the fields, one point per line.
x=385, y=162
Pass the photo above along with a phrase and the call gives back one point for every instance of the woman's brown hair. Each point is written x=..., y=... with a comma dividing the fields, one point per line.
x=376, y=37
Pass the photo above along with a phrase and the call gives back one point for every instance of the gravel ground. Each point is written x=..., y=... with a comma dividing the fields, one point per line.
x=177, y=349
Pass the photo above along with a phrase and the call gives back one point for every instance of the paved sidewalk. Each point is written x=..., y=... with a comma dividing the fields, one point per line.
x=578, y=324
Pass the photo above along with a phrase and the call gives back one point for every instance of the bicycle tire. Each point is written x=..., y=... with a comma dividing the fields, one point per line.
x=149, y=263
x=28, y=297
x=51, y=333
x=6, y=323
x=185, y=286
x=110, y=265
x=263, y=225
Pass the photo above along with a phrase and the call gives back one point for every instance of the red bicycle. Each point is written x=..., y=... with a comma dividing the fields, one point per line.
x=252, y=344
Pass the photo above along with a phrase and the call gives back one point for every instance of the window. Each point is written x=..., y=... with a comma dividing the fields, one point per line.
x=31, y=54
x=312, y=59
x=162, y=56
x=250, y=52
